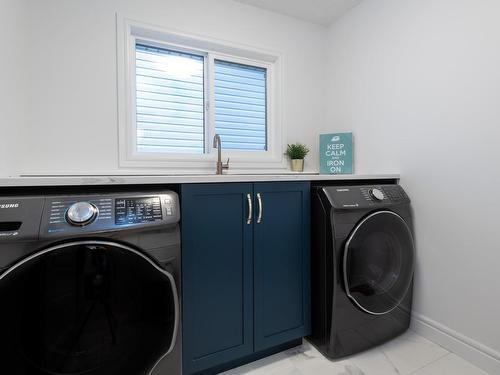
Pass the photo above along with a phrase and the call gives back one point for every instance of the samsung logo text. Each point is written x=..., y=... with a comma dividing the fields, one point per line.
x=9, y=205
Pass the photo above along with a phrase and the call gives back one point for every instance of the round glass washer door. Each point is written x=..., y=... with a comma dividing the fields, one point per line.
x=87, y=307
x=379, y=260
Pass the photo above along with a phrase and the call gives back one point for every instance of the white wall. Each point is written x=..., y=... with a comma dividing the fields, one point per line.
x=13, y=94
x=73, y=125
x=418, y=81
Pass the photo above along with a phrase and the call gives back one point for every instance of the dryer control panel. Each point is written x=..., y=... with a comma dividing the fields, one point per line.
x=365, y=196
x=88, y=214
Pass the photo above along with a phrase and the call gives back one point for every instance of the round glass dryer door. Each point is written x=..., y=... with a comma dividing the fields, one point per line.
x=379, y=259
x=90, y=307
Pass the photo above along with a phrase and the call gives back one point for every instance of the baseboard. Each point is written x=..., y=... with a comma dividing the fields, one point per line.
x=476, y=353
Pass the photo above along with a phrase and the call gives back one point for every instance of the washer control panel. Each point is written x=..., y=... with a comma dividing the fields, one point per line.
x=88, y=214
x=365, y=196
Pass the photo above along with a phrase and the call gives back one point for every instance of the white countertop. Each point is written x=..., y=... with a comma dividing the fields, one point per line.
x=76, y=180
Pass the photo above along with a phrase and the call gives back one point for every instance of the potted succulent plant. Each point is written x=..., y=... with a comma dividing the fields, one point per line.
x=297, y=152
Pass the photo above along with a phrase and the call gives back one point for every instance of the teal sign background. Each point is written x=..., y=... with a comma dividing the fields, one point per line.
x=335, y=153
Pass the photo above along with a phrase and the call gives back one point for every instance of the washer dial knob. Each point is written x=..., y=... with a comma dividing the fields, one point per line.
x=377, y=194
x=81, y=213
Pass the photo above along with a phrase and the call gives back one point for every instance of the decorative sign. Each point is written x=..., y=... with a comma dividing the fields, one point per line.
x=335, y=153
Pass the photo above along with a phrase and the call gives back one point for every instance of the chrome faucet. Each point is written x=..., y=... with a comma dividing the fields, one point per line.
x=218, y=146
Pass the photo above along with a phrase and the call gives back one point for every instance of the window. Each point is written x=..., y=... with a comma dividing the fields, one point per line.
x=169, y=101
x=180, y=91
x=240, y=106
x=170, y=109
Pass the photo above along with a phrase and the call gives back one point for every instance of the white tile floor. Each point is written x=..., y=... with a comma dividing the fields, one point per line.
x=405, y=355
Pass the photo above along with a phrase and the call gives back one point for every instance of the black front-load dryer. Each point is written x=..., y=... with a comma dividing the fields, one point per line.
x=362, y=267
x=90, y=284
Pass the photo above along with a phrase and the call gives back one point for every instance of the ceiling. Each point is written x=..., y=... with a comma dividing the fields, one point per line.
x=322, y=12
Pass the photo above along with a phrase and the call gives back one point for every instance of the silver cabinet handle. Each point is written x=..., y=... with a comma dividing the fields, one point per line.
x=261, y=208
x=250, y=209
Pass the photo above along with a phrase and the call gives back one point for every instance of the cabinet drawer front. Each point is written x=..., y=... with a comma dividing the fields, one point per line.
x=217, y=275
x=281, y=269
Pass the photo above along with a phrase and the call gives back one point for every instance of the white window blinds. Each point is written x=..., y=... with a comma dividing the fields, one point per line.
x=171, y=91
x=240, y=106
x=169, y=101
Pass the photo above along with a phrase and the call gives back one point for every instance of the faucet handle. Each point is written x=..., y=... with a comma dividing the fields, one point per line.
x=226, y=166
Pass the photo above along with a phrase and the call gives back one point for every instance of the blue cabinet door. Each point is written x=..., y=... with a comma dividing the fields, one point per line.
x=281, y=263
x=217, y=257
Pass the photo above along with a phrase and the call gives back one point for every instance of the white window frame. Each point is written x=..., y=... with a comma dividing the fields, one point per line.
x=129, y=33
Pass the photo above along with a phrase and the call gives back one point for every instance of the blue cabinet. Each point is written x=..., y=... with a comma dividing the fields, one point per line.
x=217, y=275
x=245, y=259
x=281, y=264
